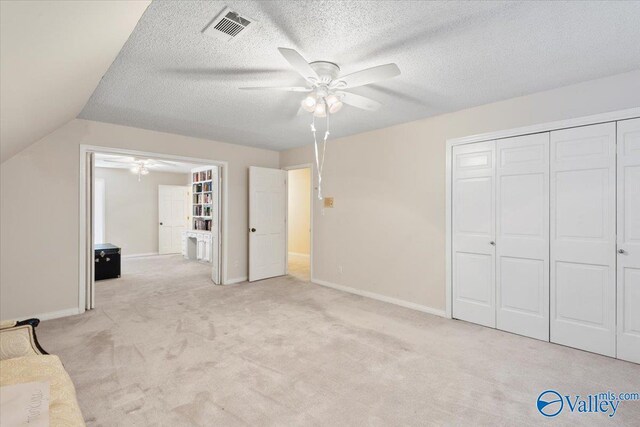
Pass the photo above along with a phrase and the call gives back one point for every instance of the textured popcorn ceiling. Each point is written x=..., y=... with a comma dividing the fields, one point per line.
x=170, y=77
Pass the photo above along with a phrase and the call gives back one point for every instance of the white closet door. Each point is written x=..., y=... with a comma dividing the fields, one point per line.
x=629, y=240
x=522, y=235
x=474, y=233
x=583, y=246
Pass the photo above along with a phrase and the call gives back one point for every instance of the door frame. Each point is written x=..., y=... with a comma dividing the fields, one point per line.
x=85, y=238
x=611, y=116
x=311, y=209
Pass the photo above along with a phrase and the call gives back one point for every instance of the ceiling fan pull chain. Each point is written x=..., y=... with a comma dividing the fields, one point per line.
x=320, y=163
x=324, y=145
x=318, y=168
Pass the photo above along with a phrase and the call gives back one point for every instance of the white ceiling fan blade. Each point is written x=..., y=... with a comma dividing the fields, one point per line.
x=170, y=163
x=299, y=63
x=119, y=162
x=283, y=88
x=359, y=101
x=114, y=157
x=370, y=75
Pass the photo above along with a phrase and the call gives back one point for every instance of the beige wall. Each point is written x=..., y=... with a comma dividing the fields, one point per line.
x=48, y=75
x=386, y=233
x=299, y=206
x=40, y=204
x=131, y=207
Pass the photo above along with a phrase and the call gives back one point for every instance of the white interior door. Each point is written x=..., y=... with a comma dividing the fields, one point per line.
x=99, y=211
x=522, y=235
x=90, y=298
x=474, y=233
x=173, y=217
x=267, y=221
x=215, y=229
x=629, y=240
x=583, y=238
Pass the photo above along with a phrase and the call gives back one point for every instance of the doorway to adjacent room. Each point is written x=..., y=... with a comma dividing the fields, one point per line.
x=299, y=221
x=137, y=207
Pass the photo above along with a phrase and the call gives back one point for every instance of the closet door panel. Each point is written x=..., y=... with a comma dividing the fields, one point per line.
x=522, y=235
x=473, y=219
x=582, y=250
x=628, y=338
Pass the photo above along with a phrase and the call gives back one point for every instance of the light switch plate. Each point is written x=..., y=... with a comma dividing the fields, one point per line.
x=328, y=202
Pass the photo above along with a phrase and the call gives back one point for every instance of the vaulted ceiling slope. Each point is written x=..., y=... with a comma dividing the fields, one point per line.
x=52, y=56
x=171, y=77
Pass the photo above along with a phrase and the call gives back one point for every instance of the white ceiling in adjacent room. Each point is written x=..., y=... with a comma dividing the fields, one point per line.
x=118, y=161
x=172, y=77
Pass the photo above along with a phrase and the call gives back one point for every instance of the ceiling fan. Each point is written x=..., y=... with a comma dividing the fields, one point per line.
x=137, y=166
x=326, y=87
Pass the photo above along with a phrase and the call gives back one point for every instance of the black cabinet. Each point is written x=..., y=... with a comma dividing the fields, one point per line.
x=107, y=261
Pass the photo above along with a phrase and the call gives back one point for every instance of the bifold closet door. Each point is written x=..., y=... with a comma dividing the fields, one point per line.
x=473, y=220
x=583, y=238
x=629, y=240
x=522, y=235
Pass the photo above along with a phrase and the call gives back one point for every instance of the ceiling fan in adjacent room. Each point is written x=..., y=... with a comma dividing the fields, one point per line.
x=326, y=88
x=138, y=166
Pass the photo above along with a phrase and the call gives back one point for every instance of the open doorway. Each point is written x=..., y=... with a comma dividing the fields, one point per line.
x=299, y=218
x=141, y=206
x=149, y=220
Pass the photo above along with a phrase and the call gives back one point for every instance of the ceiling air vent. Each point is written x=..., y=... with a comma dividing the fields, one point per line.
x=228, y=25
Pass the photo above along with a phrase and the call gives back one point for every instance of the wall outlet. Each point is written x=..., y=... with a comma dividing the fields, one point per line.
x=340, y=269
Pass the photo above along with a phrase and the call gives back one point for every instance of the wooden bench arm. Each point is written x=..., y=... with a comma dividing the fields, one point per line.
x=19, y=339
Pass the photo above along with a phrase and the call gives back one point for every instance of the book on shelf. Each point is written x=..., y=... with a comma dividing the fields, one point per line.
x=202, y=176
x=202, y=210
x=202, y=224
x=202, y=199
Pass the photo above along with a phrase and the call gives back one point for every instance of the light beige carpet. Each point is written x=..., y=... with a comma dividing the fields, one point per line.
x=166, y=347
x=299, y=267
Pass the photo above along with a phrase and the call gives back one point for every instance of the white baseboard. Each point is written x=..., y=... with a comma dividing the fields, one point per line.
x=236, y=280
x=299, y=254
x=50, y=315
x=379, y=297
x=143, y=255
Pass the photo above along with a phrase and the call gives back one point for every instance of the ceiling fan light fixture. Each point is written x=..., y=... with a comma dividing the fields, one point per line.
x=320, y=110
x=334, y=103
x=309, y=103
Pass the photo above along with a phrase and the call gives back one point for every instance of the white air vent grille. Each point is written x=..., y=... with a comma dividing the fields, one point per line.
x=227, y=25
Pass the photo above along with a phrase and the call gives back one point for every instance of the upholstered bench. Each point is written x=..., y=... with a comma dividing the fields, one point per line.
x=22, y=361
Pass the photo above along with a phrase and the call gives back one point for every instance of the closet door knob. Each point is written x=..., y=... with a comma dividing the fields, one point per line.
x=621, y=251
x=492, y=243
x=253, y=230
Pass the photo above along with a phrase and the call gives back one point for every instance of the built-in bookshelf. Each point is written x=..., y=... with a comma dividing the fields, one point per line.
x=202, y=241
x=203, y=190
